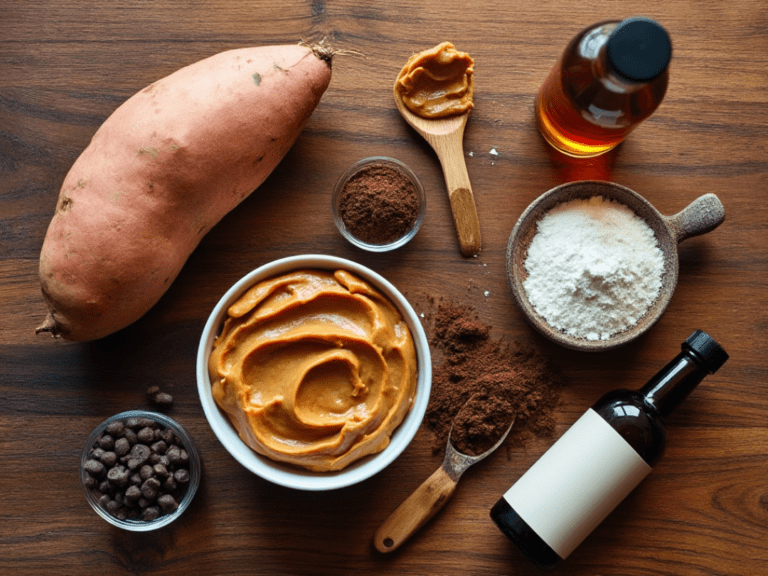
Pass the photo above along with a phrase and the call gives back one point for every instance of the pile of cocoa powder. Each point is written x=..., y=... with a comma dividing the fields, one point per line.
x=502, y=380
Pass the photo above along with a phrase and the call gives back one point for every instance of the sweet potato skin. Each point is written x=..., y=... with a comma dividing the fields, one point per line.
x=160, y=172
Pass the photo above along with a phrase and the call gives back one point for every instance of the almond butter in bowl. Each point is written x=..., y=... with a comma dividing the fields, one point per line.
x=314, y=372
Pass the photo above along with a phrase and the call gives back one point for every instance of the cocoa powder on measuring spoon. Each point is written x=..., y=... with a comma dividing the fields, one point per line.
x=481, y=423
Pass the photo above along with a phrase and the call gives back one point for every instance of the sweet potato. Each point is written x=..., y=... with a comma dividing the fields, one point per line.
x=165, y=167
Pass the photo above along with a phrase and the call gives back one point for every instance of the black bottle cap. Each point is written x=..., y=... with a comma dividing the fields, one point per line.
x=639, y=49
x=709, y=351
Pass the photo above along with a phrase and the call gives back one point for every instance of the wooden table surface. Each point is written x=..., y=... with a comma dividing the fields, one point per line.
x=66, y=65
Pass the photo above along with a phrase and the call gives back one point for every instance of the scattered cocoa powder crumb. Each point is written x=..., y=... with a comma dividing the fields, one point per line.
x=503, y=380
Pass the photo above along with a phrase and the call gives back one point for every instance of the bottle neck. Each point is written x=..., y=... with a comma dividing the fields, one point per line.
x=667, y=389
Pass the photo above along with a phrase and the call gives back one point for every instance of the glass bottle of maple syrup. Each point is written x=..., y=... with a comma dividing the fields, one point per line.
x=610, y=78
x=607, y=452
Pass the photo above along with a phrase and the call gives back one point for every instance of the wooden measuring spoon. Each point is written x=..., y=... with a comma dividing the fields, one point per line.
x=430, y=497
x=446, y=136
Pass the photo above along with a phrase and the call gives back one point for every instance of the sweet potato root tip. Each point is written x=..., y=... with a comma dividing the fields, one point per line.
x=319, y=49
x=49, y=325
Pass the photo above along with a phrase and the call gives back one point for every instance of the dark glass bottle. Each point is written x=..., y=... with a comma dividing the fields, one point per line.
x=572, y=488
x=610, y=78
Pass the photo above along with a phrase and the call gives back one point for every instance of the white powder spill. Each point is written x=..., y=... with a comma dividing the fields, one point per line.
x=594, y=268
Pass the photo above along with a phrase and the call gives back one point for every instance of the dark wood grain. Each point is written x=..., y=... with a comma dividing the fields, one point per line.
x=66, y=65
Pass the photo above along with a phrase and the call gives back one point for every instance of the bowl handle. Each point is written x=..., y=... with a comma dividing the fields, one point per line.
x=701, y=216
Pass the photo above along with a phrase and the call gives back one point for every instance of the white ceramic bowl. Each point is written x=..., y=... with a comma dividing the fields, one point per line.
x=284, y=474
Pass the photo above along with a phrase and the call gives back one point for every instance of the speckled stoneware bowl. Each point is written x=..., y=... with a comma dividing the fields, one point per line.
x=703, y=215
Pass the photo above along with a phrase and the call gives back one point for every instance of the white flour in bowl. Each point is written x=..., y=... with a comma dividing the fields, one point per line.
x=594, y=268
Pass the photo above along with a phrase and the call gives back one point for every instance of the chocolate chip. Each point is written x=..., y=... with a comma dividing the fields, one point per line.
x=146, y=435
x=115, y=429
x=94, y=468
x=158, y=397
x=150, y=513
x=163, y=399
x=106, y=441
x=167, y=503
x=122, y=446
x=146, y=472
x=108, y=459
x=118, y=476
x=140, y=452
x=159, y=447
x=160, y=471
x=130, y=435
x=167, y=436
x=174, y=455
x=150, y=488
x=113, y=506
x=132, y=494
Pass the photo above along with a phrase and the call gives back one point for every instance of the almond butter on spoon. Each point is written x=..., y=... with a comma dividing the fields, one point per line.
x=433, y=93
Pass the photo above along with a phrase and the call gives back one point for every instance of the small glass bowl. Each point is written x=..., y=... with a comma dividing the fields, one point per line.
x=354, y=169
x=195, y=469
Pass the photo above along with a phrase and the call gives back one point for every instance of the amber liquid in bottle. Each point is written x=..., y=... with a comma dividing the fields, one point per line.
x=600, y=459
x=586, y=107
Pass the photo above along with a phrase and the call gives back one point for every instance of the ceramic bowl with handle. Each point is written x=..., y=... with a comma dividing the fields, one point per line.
x=701, y=216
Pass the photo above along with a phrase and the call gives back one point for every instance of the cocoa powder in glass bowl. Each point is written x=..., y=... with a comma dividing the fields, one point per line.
x=378, y=204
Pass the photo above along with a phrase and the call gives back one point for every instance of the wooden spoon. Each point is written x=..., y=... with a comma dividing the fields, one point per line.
x=429, y=498
x=446, y=135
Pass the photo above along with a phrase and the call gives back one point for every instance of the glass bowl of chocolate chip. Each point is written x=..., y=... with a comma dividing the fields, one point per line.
x=140, y=470
x=378, y=204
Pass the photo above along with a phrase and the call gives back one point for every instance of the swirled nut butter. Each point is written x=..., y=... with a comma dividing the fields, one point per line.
x=314, y=368
x=437, y=82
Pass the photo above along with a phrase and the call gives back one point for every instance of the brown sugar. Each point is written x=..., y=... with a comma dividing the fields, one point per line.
x=503, y=381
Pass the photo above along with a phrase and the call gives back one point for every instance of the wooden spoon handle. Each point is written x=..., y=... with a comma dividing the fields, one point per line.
x=450, y=151
x=415, y=511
